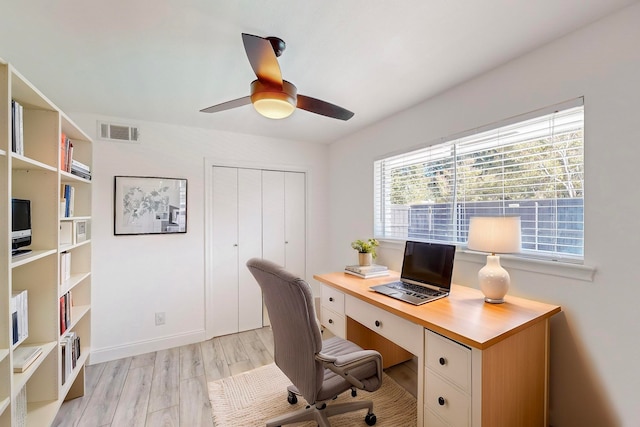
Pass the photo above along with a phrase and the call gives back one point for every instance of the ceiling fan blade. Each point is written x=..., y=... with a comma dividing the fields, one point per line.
x=324, y=108
x=263, y=59
x=227, y=105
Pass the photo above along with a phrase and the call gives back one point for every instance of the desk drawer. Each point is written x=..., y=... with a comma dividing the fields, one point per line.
x=449, y=359
x=333, y=322
x=332, y=299
x=447, y=401
x=432, y=420
x=401, y=331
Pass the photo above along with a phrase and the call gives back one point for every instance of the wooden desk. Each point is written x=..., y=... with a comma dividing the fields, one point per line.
x=490, y=369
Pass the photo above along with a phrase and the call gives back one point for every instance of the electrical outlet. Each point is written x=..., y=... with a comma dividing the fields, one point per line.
x=160, y=318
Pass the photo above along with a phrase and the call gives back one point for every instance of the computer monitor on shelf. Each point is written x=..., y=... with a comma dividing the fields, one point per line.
x=20, y=226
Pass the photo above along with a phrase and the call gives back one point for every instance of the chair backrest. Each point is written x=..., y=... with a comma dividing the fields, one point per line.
x=296, y=333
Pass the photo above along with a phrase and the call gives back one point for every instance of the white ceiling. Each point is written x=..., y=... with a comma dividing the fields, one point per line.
x=164, y=60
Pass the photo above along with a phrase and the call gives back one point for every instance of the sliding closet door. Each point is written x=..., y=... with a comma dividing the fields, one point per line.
x=224, y=267
x=249, y=246
x=295, y=222
x=255, y=213
x=273, y=230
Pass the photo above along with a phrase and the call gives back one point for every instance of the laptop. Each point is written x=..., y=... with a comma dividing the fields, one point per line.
x=426, y=273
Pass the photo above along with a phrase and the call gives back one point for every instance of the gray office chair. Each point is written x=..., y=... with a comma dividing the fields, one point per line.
x=319, y=370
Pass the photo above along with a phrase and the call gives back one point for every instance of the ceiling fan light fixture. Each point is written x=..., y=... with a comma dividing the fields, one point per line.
x=273, y=107
x=273, y=102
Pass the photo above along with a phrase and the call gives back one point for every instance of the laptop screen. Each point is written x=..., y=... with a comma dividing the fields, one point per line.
x=428, y=263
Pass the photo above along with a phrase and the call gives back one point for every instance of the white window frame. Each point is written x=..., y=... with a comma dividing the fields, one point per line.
x=381, y=183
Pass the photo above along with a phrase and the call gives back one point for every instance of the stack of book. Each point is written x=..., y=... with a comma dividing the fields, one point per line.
x=24, y=356
x=367, y=271
x=80, y=169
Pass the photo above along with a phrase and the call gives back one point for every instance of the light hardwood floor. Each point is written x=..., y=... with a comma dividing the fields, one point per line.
x=168, y=388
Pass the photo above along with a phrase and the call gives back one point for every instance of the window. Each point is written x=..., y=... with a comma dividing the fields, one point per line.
x=531, y=166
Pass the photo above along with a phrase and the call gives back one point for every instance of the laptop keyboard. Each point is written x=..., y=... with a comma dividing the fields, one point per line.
x=412, y=289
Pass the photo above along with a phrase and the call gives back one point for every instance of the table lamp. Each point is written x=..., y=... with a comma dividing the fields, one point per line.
x=494, y=235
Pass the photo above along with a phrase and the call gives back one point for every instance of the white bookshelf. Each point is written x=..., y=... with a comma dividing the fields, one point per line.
x=36, y=175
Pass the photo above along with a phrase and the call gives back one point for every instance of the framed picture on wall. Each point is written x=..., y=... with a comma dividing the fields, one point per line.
x=149, y=205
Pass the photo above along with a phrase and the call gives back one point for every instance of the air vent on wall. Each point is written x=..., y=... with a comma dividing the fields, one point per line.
x=117, y=132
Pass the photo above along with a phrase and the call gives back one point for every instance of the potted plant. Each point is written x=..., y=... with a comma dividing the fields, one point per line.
x=366, y=250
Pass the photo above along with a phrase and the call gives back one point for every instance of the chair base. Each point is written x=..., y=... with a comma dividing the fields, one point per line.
x=321, y=416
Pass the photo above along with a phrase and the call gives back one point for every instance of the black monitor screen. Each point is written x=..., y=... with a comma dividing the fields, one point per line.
x=20, y=225
x=429, y=263
x=20, y=215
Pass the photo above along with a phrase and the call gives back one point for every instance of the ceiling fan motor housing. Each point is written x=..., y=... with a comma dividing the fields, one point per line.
x=278, y=45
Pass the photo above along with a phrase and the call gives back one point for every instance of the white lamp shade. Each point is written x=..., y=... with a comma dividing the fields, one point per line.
x=495, y=234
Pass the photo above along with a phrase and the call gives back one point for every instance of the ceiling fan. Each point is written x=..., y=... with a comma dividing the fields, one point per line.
x=272, y=96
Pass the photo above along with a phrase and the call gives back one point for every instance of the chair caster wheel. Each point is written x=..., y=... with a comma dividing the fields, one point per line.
x=370, y=419
x=293, y=399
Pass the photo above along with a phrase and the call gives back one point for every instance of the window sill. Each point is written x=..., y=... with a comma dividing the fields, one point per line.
x=552, y=268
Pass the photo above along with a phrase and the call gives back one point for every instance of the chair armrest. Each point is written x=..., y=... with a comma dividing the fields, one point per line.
x=325, y=358
x=341, y=365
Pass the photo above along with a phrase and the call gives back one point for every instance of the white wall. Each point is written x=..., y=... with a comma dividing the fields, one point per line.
x=595, y=342
x=136, y=276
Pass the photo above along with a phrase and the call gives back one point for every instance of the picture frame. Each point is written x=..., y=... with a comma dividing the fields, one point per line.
x=80, y=230
x=149, y=205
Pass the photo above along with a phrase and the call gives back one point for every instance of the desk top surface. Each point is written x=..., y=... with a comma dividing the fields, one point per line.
x=463, y=315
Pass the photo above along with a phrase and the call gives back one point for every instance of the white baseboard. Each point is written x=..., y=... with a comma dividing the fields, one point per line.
x=133, y=349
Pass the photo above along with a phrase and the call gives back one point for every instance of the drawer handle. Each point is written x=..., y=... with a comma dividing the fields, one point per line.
x=331, y=321
x=441, y=401
x=442, y=361
x=378, y=323
x=330, y=299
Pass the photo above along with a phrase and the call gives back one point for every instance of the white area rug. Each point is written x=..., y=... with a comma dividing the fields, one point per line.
x=251, y=398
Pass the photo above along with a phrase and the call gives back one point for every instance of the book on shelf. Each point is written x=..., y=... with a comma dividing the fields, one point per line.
x=19, y=316
x=67, y=200
x=66, y=153
x=65, y=266
x=66, y=302
x=70, y=345
x=81, y=174
x=17, y=128
x=66, y=233
x=24, y=356
x=78, y=165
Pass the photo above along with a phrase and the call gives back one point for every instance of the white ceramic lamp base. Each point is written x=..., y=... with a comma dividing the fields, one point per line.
x=494, y=280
